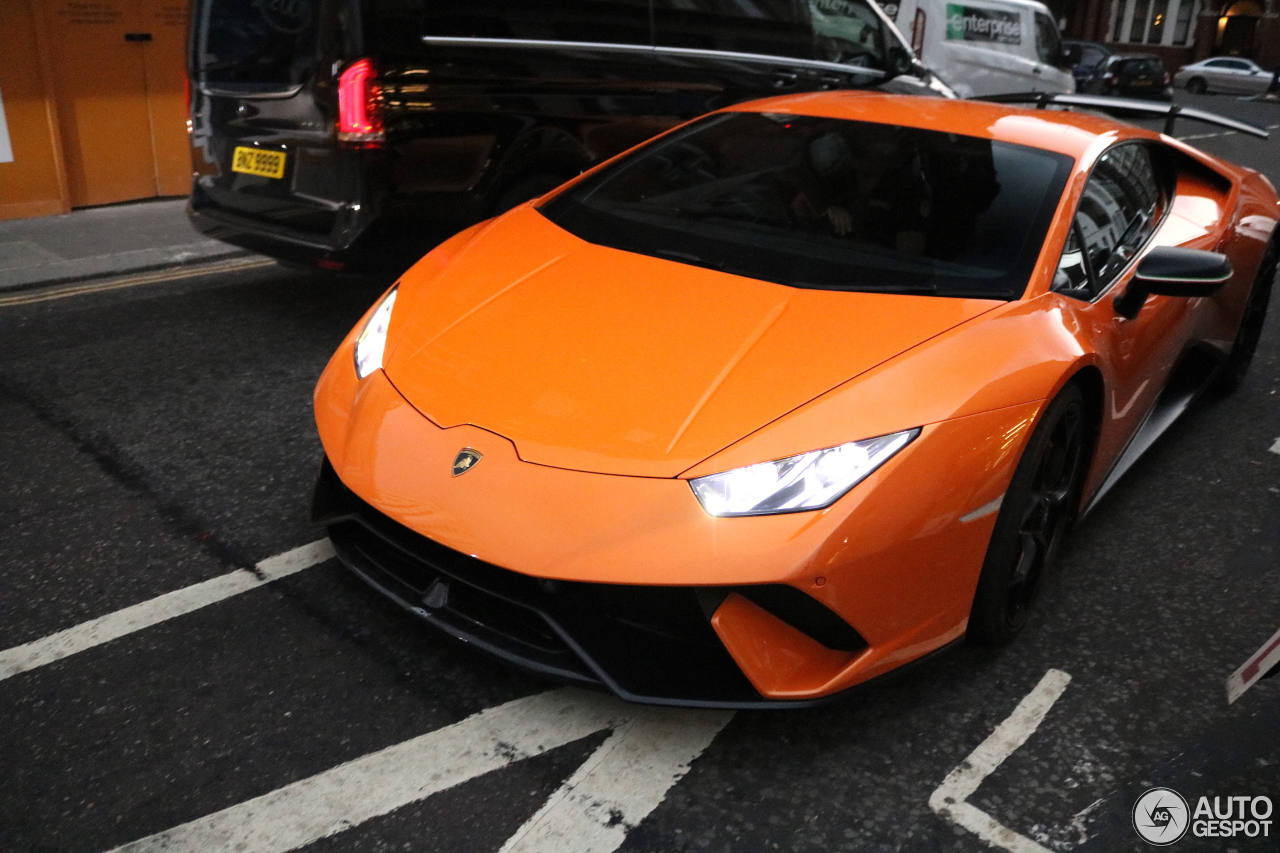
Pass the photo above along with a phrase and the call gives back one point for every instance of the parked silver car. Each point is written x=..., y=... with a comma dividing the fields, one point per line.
x=1223, y=74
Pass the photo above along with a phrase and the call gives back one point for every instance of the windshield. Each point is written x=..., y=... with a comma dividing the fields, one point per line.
x=256, y=46
x=828, y=203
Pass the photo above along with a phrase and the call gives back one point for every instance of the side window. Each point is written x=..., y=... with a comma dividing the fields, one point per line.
x=1119, y=210
x=770, y=27
x=1073, y=276
x=1048, y=41
x=847, y=31
x=615, y=21
x=1090, y=58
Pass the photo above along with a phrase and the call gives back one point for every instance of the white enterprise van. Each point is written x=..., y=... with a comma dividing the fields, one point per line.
x=986, y=47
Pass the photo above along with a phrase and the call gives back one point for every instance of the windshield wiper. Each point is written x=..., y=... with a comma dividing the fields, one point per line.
x=686, y=258
x=921, y=289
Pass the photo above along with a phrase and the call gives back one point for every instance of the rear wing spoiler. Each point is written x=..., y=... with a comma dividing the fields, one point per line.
x=1107, y=104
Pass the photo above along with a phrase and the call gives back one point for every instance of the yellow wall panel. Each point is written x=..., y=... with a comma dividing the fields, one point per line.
x=101, y=88
x=30, y=183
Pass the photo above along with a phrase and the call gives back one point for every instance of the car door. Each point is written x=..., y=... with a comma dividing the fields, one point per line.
x=1232, y=75
x=1120, y=209
x=1253, y=79
x=1217, y=75
x=1090, y=59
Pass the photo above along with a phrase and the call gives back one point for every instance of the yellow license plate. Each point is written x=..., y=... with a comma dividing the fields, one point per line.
x=256, y=161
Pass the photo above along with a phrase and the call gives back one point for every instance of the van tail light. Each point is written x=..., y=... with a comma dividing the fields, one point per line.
x=360, y=106
x=917, y=32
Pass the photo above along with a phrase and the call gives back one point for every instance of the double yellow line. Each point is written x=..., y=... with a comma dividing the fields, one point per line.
x=98, y=286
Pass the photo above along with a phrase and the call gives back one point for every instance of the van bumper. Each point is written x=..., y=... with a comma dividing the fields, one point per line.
x=387, y=246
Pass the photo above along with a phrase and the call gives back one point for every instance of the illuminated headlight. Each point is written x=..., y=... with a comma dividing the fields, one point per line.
x=811, y=480
x=373, y=337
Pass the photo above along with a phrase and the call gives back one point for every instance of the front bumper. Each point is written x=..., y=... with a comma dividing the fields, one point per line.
x=652, y=644
x=892, y=561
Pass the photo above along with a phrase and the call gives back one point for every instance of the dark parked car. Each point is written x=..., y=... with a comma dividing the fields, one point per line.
x=1085, y=56
x=357, y=133
x=1130, y=75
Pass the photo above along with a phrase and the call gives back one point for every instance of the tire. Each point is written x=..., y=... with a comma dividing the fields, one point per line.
x=1197, y=86
x=525, y=188
x=1035, y=516
x=1250, y=330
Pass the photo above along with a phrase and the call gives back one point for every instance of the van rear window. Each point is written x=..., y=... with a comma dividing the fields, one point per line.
x=256, y=46
x=1145, y=67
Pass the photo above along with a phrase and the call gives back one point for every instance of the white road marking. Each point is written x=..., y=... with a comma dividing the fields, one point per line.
x=46, y=294
x=950, y=799
x=624, y=780
x=1275, y=447
x=112, y=626
x=1252, y=670
x=1222, y=133
x=380, y=782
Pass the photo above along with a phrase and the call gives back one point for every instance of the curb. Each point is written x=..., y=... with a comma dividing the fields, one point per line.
x=44, y=293
x=121, y=263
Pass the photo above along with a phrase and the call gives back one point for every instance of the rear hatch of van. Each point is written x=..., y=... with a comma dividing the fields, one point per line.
x=264, y=104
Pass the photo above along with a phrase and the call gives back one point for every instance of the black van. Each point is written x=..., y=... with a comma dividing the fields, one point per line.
x=355, y=134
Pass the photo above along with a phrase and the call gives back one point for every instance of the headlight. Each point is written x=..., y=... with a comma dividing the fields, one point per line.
x=809, y=481
x=373, y=337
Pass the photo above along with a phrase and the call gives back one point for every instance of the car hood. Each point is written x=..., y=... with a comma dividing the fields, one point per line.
x=595, y=359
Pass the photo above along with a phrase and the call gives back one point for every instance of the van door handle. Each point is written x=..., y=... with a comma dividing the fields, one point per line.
x=1035, y=69
x=137, y=36
x=782, y=79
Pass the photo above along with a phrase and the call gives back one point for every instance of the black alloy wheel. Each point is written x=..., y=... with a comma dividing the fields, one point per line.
x=1250, y=330
x=1197, y=86
x=1037, y=511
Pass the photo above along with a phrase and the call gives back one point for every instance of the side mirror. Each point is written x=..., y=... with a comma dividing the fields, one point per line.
x=1173, y=271
x=1068, y=59
x=899, y=61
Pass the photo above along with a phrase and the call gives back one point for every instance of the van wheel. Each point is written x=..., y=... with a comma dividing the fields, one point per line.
x=1250, y=331
x=530, y=186
x=1197, y=86
x=1036, y=514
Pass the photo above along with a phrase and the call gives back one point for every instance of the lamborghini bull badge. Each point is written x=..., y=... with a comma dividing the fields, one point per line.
x=466, y=460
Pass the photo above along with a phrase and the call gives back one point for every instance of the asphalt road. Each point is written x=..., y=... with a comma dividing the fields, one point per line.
x=160, y=436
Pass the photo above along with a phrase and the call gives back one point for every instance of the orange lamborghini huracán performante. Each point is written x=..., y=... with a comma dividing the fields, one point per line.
x=792, y=395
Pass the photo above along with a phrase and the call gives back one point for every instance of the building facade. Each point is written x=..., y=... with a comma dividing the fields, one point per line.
x=1179, y=31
